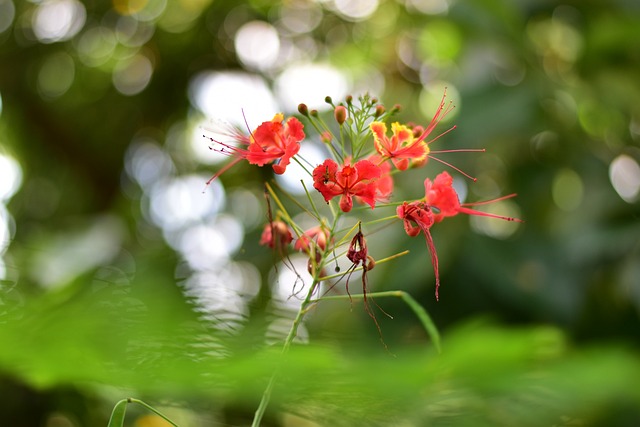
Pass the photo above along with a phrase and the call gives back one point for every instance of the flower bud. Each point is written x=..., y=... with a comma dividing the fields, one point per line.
x=276, y=234
x=326, y=137
x=417, y=131
x=328, y=100
x=396, y=108
x=371, y=263
x=303, y=109
x=340, y=113
x=379, y=111
x=314, y=113
x=349, y=99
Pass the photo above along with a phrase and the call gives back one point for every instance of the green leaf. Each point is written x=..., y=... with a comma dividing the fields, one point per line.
x=117, y=416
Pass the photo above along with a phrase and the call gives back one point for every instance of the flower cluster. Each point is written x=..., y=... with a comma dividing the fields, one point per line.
x=363, y=158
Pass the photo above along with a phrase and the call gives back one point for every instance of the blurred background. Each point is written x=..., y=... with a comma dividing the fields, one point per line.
x=122, y=274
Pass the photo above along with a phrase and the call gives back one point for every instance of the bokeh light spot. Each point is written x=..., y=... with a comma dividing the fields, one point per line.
x=70, y=254
x=133, y=33
x=228, y=96
x=497, y=228
x=128, y=7
x=180, y=15
x=96, y=46
x=209, y=246
x=180, y=202
x=132, y=75
x=429, y=7
x=145, y=10
x=356, y=10
x=431, y=96
x=567, y=190
x=147, y=163
x=7, y=13
x=291, y=279
x=10, y=177
x=300, y=17
x=58, y=20
x=310, y=83
x=624, y=174
x=440, y=41
x=257, y=44
x=290, y=180
x=56, y=75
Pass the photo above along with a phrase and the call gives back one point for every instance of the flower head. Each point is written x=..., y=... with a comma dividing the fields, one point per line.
x=275, y=141
x=417, y=217
x=402, y=148
x=347, y=181
x=441, y=195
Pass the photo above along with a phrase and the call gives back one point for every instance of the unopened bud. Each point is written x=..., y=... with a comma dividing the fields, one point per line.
x=326, y=137
x=349, y=99
x=379, y=110
x=314, y=113
x=303, y=109
x=396, y=108
x=370, y=263
x=328, y=100
x=374, y=101
x=340, y=113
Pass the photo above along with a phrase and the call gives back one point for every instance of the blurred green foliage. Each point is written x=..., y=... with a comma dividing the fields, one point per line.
x=95, y=303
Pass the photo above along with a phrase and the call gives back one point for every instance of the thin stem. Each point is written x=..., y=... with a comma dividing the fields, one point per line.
x=380, y=261
x=266, y=395
x=419, y=310
x=155, y=411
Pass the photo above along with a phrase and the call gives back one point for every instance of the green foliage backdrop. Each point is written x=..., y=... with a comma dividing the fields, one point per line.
x=100, y=108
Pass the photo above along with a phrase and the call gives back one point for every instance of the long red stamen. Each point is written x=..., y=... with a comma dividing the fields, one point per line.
x=437, y=118
x=434, y=256
x=223, y=170
x=486, y=202
x=439, y=136
x=480, y=213
x=454, y=168
x=459, y=150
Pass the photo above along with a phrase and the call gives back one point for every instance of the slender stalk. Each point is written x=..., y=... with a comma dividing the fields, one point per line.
x=419, y=310
x=155, y=411
x=266, y=395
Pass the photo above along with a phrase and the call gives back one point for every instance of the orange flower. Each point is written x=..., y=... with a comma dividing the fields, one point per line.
x=402, y=148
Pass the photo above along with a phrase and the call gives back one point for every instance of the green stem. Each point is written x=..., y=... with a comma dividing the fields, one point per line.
x=266, y=395
x=419, y=310
x=155, y=411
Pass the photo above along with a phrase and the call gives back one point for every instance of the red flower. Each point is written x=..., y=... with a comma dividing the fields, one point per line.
x=274, y=141
x=357, y=180
x=441, y=195
x=276, y=234
x=418, y=217
x=402, y=148
x=384, y=184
